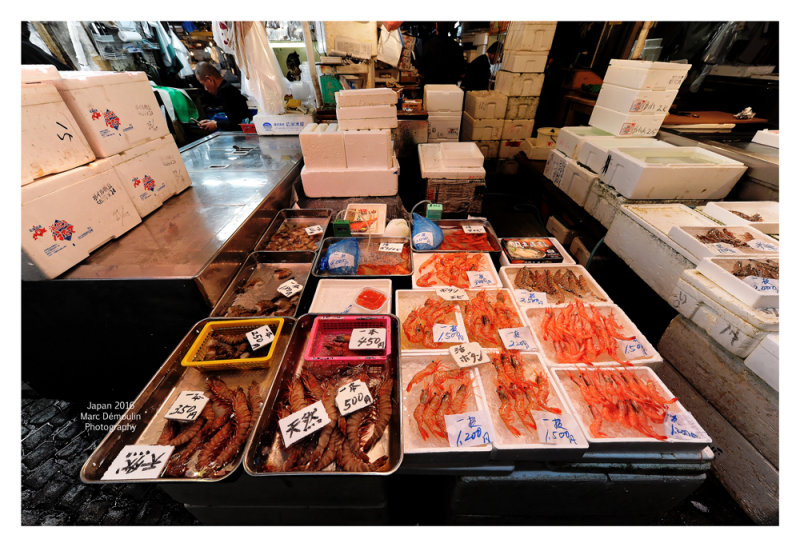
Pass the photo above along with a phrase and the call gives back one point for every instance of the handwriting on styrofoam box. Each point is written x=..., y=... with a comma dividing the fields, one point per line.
x=303, y=423
x=353, y=396
x=468, y=429
x=555, y=428
x=467, y=355
x=473, y=229
x=761, y=245
x=373, y=338
x=448, y=334
x=633, y=349
x=260, y=337
x=187, y=407
x=391, y=247
x=314, y=230
x=682, y=426
x=141, y=461
x=290, y=288
x=529, y=298
x=763, y=284
x=452, y=293
x=480, y=279
x=519, y=338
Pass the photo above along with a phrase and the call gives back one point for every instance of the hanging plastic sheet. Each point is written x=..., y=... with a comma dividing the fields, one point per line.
x=390, y=46
x=164, y=43
x=182, y=54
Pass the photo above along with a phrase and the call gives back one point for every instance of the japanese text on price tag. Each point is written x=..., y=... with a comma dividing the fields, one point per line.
x=187, y=407
x=633, y=349
x=763, y=284
x=469, y=429
x=391, y=247
x=368, y=339
x=682, y=426
x=353, y=396
x=452, y=293
x=761, y=245
x=480, y=279
x=423, y=238
x=517, y=338
x=473, y=229
x=260, y=337
x=555, y=428
x=724, y=249
x=531, y=298
x=467, y=355
x=303, y=423
x=314, y=230
x=142, y=461
x=448, y=334
x=290, y=288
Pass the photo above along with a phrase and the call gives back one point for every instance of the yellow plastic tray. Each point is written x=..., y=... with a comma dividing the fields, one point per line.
x=232, y=327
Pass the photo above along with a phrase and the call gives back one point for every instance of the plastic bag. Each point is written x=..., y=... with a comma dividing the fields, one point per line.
x=341, y=258
x=390, y=47
x=426, y=235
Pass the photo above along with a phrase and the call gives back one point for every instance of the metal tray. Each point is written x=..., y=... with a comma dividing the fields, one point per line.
x=306, y=217
x=143, y=421
x=494, y=242
x=253, y=267
x=265, y=433
x=368, y=248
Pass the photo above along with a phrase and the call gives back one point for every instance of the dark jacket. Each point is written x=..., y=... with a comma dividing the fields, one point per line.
x=477, y=75
x=234, y=105
x=442, y=61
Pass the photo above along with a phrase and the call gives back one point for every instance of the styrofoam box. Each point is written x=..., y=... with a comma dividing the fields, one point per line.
x=521, y=108
x=68, y=215
x=350, y=182
x=461, y=154
x=151, y=173
x=115, y=110
x=524, y=61
x=442, y=98
x=489, y=149
x=764, y=360
x=602, y=203
x=338, y=295
x=769, y=211
x=361, y=112
x=577, y=181
x=519, y=83
x=282, y=124
x=485, y=104
x=592, y=152
x=687, y=172
x=566, y=259
x=570, y=139
x=323, y=146
x=389, y=122
x=441, y=140
x=431, y=166
x=508, y=274
x=687, y=237
x=766, y=137
x=368, y=148
x=444, y=126
x=421, y=259
x=482, y=129
x=52, y=141
x=646, y=74
x=719, y=270
x=635, y=101
x=38, y=73
x=547, y=136
x=623, y=124
x=365, y=97
x=559, y=230
x=534, y=152
x=580, y=251
x=555, y=166
x=508, y=149
x=530, y=35
x=739, y=328
x=517, y=129
x=356, y=38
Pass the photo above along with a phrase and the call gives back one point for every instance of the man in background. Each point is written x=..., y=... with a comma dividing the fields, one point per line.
x=226, y=95
x=479, y=71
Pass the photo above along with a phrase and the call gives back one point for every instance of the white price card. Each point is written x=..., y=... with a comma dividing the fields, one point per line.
x=480, y=279
x=353, y=396
x=761, y=245
x=555, y=428
x=391, y=247
x=682, y=426
x=452, y=293
x=724, y=249
x=473, y=229
x=423, y=238
x=529, y=298
x=187, y=407
x=632, y=349
x=448, y=334
x=467, y=355
x=138, y=461
x=368, y=339
x=290, y=288
x=341, y=260
x=763, y=284
x=519, y=338
x=303, y=423
x=260, y=337
x=314, y=230
x=468, y=429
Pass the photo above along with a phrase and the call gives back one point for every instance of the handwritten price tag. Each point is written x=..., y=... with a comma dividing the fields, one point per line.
x=143, y=461
x=367, y=339
x=423, y=238
x=519, y=338
x=353, y=396
x=761, y=245
x=341, y=260
x=682, y=426
x=529, y=298
x=473, y=229
x=763, y=284
x=260, y=337
x=480, y=279
x=391, y=247
x=314, y=230
x=303, y=423
x=555, y=428
x=724, y=249
x=187, y=407
x=469, y=429
x=452, y=293
x=448, y=334
x=290, y=288
x=467, y=355
x=632, y=349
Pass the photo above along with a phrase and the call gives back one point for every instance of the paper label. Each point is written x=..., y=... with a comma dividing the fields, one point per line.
x=303, y=423
x=467, y=355
x=763, y=284
x=187, y=407
x=519, y=338
x=761, y=245
x=423, y=238
x=724, y=249
x=314, y=230
x=469, y=429
x=290, y=288
x=260, y=337
x=555, y=428
x=452, y=293
x=142, y=461
x=391, y=247
x=449, y=334
x=682, y=426
x=339, y=259
x=632, y=349
x=473, y=229
x=480, y=279
x=368, y=339
x=531, y=298
x=353, y=396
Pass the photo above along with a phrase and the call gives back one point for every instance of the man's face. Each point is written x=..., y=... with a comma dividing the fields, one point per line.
x=210, y=84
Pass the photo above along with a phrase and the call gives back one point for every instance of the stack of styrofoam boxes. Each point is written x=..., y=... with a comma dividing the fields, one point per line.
x=454, y=175
x=443, y=102
x=636, y=97
x=482, y=121
x=525, y=52
x=356, y=156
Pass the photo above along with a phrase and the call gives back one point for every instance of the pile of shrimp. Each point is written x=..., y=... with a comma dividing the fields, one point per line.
x=418, y=326
x=521, y=389
x=216, y=436
x=401, y=267
x=346, y=440
x=484, y=315
x=450, y=269
x=446, y=389
x=458, y=240
x=581, y=336
x=618, y=395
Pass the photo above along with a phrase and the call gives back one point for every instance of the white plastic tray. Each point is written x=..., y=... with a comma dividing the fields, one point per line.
x=769, y=210
x=509, y=273
x=718, y=270
x=687, y=237
x=338, y=295
x=356, y=211
x=421, y=258
x=405, y=302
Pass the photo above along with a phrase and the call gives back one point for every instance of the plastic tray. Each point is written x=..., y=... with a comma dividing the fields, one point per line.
x=719, y=270
x=455, y=226
x=769, y=211
x=369, y=253
x=338, y=295
x=364, y=212
x=687, y=237
x=296, y=217
x=420, y=259
x=232, y=327
x=508, y=274
x=405, y=302
x=330, y=326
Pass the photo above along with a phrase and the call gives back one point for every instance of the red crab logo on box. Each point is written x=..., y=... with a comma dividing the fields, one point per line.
x=62, y=230
x=627, y=128
x=147, y=181
x=38, y=232
x=111, y=119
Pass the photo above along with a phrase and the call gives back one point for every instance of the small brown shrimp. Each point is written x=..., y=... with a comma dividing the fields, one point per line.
x=231, y=339
x=214, y=445
x=220, y=390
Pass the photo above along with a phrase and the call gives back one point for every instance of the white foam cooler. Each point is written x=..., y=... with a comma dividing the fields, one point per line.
x=530, y=35
x=533, y=151
x=521, y=108
x=51, y=141
x=115, y=110
x=440, y=98
x=509, y=149
x=555, y=167
x=646, y=74
x=365, y=97
x=769, y=211
x=577, y=181
x=432, y=165
x=389, y=122
x=323, y=146
x=368, y=149
x=635, y=101
x=489, y=149
x=517, y=129
x=485, y=104
x=519, y=83
x=624, y=124
x=764, y=360
x=719, y=270
x=444, y=126
x=350, y=182
x=362, y=112
x=524, y=61
x=593, y=151
x=481, y=129
x=570, y=139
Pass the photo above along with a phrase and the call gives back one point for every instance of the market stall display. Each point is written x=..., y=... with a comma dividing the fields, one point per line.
x=551, y=284
x=295, y=230
x=464, y=270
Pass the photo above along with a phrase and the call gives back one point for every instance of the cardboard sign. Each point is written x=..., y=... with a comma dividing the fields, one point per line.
x=361, y=339
x=448, y=334
x=555, y=428
x=468, y=429
x=142, y=461
x=290, y=288
x=303, y=423
x=353, y=396
x=468, y=355
x=452, y=293
x=518, y=338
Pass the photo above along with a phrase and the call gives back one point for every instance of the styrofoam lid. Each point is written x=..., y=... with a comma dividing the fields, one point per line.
x=78, y=79
x=39, y=93
x=461, y=154
x=650, y=65
x=51, y=183
x=38, y=73
x=140, y=150
x=452, y=88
